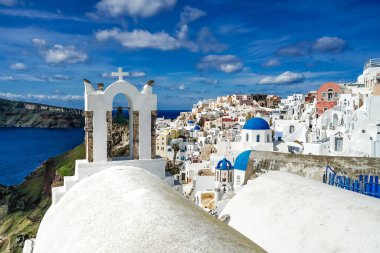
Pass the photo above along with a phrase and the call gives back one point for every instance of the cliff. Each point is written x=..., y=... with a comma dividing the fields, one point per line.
x=25, y=114
x=23, y=206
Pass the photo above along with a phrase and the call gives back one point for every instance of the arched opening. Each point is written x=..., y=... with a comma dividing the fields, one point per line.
x=335, y=120
x=330, y=94
x=246, y=137
x=121, y=129
x=258, y=138
x=291, y=129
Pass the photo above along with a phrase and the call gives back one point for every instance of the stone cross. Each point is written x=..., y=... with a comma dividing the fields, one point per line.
x=120, y=74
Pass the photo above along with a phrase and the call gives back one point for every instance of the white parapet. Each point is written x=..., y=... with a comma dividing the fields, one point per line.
x=84, y=169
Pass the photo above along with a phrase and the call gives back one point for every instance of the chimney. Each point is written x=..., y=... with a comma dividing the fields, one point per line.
x=100, y=86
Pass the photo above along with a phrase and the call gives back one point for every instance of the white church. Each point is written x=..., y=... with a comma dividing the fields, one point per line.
x=124, y=205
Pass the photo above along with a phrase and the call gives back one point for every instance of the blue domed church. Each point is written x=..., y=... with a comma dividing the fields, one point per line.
x=240, y=167
x=257, y=135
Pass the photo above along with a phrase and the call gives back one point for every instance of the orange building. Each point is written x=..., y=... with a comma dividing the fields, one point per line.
x=327, y=97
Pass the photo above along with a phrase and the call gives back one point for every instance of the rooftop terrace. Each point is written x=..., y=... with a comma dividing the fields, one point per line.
x=372, y=63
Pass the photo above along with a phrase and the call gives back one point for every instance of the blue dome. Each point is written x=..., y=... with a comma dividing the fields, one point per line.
x=224, y=165
x=197, y=128
x=190, y=122
x=256, y=124
x=241, y=162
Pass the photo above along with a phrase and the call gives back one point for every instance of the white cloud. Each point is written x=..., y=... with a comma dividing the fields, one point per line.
x=182, y=87
x=39, y=42
x=61, y=77
x=234, y=29
x=329, y=45
x=18, y=66
x=205, y=80
x=139, y=39
x=64, y=54
x=286, y=77
x=7, y=78
x=321, y=45
x=9, y=3
x=137, y=74
x=207, y=42
x=40, y=97
x=133, y=8
x=272, y=63
x=225, y=63
x=131, y=74
x=36, y=14
x=190, y=14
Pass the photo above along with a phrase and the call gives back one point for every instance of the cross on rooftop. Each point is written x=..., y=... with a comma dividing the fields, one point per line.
x=120, y=73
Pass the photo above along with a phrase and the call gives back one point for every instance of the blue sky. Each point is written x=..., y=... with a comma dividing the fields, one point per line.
x=192, y=49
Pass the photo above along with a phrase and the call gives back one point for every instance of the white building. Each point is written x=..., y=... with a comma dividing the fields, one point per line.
x=256, y=135
x=371, y=74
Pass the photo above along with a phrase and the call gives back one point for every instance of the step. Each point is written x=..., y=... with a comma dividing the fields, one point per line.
x=57, y=193
x=70, y=182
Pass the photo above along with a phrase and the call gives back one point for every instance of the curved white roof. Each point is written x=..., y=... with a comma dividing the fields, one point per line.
x=290, y=213
x=126, y=209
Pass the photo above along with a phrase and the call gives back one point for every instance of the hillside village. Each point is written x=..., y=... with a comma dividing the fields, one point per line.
x=212, y=144
x=230, y=157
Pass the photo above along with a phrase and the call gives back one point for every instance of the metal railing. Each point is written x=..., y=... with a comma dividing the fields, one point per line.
x=372, y=63
x=364, y=184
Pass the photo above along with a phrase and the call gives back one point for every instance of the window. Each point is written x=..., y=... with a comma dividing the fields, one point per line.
x=268, y=138
x=246, y=137
x=330, y=94
x=291, y=129
x=258, y=138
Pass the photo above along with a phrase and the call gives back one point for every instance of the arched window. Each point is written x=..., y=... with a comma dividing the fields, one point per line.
x=268, y=138
x=246, y=137
x=258, y=138
x=330, y=94
x=291, y=129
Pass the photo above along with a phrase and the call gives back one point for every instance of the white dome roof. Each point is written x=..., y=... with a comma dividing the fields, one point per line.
x=126, y=209
x=289, y=213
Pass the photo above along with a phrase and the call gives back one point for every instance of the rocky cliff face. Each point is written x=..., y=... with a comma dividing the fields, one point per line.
x=24, y=114
x=23, y=206
x=120, y=139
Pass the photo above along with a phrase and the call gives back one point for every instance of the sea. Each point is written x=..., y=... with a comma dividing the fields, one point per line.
x=22, y=150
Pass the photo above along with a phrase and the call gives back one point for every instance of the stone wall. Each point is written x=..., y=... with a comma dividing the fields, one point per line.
x=153, y=133
x=135, y=129
x=109, y=135
x=311, y=165
x=89, y=135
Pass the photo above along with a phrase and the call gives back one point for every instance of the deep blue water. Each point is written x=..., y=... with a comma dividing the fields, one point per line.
x=167, y=114
x=22, y=150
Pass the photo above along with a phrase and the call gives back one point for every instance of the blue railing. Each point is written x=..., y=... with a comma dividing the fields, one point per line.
x=364, y=184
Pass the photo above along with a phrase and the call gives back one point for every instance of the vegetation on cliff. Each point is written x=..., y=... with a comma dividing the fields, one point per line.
x=23, y=206
x=24, y=114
